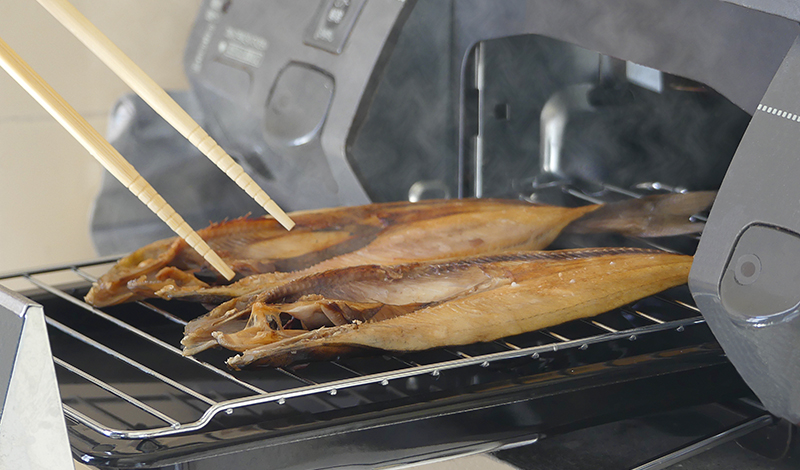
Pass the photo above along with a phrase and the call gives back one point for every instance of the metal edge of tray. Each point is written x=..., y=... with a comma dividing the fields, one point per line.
x=30, y=402
x=476, y=417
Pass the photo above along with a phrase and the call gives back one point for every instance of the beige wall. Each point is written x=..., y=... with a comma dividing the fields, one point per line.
x=47, y=180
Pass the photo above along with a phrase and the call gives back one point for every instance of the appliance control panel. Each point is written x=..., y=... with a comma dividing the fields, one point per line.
x=332, y=24
x=287, y=81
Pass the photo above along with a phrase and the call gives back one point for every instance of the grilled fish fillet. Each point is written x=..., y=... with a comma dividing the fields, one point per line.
x=263, y=254
x=415, y=306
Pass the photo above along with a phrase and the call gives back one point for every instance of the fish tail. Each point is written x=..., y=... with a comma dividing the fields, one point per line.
x=311, y=346
x=651, y=216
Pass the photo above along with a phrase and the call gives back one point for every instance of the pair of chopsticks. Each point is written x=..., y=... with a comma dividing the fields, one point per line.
x=159, y=100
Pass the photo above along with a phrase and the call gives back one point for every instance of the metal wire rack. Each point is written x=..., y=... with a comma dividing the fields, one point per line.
x=126, y=379
x=261, y=396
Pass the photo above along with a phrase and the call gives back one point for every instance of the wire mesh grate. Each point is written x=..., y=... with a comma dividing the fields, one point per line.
x=122, y=375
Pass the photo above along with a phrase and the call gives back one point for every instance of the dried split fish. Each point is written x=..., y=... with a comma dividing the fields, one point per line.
x=263, y=254
x=415, y=306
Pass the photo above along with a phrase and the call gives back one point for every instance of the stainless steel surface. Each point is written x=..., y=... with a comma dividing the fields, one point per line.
x=555, y=117
x=784, y=8
x=33, y=434
x=706, y=444
x=175, y=426
x=743, y=277
x=11, y=322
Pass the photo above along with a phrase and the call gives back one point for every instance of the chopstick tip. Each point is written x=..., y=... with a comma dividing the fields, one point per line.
x=275, y=211
x=221, y=266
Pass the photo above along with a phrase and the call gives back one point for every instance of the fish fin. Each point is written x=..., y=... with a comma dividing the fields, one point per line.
x=284, y=356
x=250, y=337
x=111, y=288
x=199, y=347
x=651, y=216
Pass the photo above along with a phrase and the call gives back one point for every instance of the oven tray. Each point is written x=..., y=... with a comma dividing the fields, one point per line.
x=132, y=400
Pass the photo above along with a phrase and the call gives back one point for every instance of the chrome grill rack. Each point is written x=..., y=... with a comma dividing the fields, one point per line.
x=132, y=399
x=261, y=396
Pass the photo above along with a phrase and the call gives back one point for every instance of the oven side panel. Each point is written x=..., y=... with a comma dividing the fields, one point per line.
x=746, y=270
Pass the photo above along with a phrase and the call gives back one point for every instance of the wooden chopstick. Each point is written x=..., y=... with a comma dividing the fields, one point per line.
x=160, y=101
x=107, y=155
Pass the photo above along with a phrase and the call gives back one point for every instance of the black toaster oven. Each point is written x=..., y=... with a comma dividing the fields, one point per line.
x=345, y=102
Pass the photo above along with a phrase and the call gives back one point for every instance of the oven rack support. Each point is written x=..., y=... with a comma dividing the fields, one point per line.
x=258, y=396
x=33, y=433
x=384, y=379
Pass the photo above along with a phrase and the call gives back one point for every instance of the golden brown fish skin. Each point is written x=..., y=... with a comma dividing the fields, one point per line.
x=353, y=293
x=653, y=216
x=386, y=233
x=490, y=227
x=261, y=329
x=407, y=284
x=232, y=240
x=542, y=294
x=111, y=288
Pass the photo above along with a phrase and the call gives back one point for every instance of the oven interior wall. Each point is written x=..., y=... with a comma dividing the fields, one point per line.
x=682, y=134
